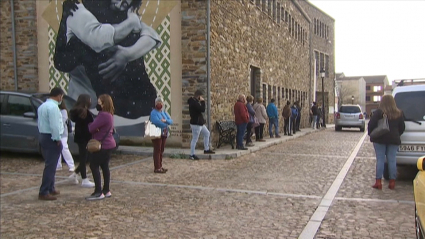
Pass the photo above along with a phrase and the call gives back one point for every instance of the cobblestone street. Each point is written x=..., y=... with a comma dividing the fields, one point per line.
x=284, y=191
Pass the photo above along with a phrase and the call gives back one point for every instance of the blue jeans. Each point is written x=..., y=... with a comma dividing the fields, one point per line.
x=196, y=131
x=240, y=131
x=314, y=122
x=51, y=152
x=385, y=151
x=274, y=122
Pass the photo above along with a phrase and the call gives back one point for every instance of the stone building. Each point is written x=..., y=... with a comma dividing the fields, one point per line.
x=266, y=48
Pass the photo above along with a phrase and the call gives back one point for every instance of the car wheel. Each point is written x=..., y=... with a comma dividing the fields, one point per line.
x=419, y=232
x=386, y=172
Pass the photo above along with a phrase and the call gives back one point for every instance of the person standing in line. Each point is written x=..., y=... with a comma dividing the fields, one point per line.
x=273, y=119
x=386, y=145
x=294, y=116
x=286, y=114
x=66, y=154
x=319, y=120
x=197, y=124
x=314, y=112
x=101, y=129
x=298, y=121
x=160, y=119
x=241, y=120
x=82, y=117
x=251, y=113
x=50, y=127
x=261, y=114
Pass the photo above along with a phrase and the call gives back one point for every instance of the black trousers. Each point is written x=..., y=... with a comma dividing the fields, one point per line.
x=287, y=125
x=101, y=159
x=84, y=158
x=248, y=132
x=298, y=121
x=50, y=151
x=293, y=124
x=259, y=131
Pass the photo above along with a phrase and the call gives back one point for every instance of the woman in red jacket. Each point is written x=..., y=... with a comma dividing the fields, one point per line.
x=241, y=120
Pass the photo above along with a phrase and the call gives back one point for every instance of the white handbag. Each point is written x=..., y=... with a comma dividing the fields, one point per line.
x=151, y=131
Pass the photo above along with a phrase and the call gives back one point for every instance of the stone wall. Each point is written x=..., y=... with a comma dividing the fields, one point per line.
x=243, y=35
x=325, y=45
x=26, y=45
x=194, y=56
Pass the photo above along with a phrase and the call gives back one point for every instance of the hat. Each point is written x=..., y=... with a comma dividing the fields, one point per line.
x=158, y=99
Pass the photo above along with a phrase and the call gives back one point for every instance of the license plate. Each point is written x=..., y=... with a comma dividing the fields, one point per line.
x=412, y=148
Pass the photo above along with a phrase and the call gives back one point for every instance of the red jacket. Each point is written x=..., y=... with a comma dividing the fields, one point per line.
x=241, y=113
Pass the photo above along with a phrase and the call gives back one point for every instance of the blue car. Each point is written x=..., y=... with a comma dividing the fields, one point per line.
x=18, y=118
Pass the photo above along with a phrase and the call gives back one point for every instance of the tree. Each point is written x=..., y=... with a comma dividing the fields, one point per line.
x=344, y=90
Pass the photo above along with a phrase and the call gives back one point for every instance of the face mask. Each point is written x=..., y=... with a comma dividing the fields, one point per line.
x=158, y=106
x=98, y=107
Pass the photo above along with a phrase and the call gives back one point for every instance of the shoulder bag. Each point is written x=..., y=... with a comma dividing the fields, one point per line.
x=381, y=129
x=95, y=145
x=151, y=131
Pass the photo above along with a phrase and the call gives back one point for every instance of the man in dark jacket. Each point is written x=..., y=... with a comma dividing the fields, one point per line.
x=314, y=111
x=286, y=114
x=298, y=120
x=294, y=115
x=241, y=120
x=197, y=124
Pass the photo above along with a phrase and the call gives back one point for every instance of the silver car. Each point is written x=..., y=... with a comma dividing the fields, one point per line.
x=18, y=118
x=349, y=116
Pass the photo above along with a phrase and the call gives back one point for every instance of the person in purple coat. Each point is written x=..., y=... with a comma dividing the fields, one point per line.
x=101, y=129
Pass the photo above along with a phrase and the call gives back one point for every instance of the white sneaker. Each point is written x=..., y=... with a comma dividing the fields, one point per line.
x=74, y=177
x=72, y=169
x=87, y=184
x=59, y=169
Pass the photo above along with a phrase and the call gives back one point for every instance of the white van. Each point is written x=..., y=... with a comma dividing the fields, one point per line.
x=411, y=100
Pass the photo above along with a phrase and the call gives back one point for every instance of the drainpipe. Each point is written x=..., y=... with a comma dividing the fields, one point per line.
x=208, y=65
x=15, y=70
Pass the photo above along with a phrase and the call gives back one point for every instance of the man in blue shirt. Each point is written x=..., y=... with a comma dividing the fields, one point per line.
x=50, y=126
x=273, y=119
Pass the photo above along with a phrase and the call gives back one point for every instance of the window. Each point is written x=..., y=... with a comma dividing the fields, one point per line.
x=274, y=10
x=376, y=98
x=18, y=105
x=282, y=14
x=367, y=98
x=411, y=111
x=349, y=109
x=2, y=96
x=315, y=26
x=316, y=57
x=269, y=7
x=327, y=65
x=264, y=93
x=263, y=7
x=377, y=88
x=283, y=93
x=368, y=87
x=289, y=24
x=293, y=27
x=278, y=13
x=286, y=16
x=270, y=92
x=278, y=96
x=258, y=3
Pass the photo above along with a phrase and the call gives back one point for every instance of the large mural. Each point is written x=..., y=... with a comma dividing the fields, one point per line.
x=117, y=47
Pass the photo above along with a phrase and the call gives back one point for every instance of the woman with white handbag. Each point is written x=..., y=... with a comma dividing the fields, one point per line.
x=162, y=120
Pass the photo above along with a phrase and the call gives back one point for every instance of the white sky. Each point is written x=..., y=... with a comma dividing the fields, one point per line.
x=379, y=37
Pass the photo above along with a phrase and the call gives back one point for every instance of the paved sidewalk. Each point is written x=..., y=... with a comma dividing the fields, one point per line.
x=224, y=152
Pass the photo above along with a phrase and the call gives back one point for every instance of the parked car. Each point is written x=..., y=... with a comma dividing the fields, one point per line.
x=18, y=117
x=410, y=99
x=349, y=116
x=419, y=193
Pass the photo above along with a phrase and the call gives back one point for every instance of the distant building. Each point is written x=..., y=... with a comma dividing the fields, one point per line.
x=375, y=88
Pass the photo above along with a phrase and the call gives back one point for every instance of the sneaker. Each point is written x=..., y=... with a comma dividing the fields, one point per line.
x=59, y=169
x=193, y=157
x=72, y=169
x=95, y=196
x=108, y=194
x=209, y=151
x=87, y=184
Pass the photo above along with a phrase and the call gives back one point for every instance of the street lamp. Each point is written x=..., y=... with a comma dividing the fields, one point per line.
x=322, y=74
x=352, y=99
